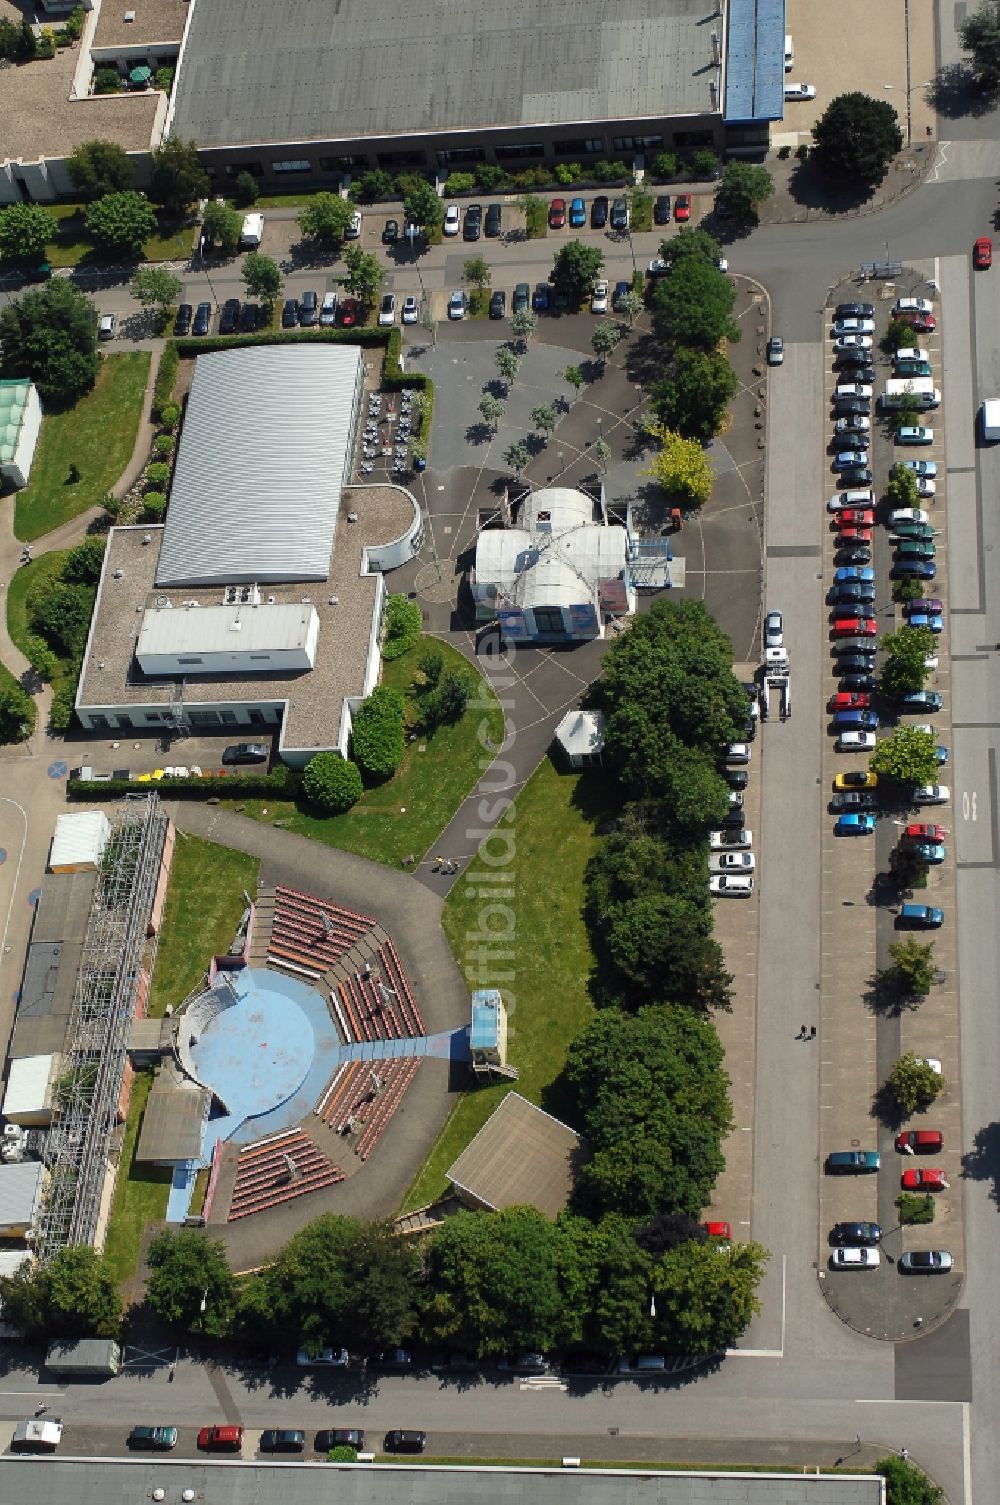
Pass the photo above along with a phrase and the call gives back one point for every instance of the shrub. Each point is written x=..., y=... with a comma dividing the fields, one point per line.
x=567, y=172
x=63, y=702
x=342, y=1454
x=107, y=81
x=154, y=505
x=158, y=474
x=489, y=176
x=17, y=710
x=665, y=165
x=331, y=783
x=402, y=626
x=45, y=47
x=784, y=152
x=446, y=701
x=166, y=375
x=245, y=190
x=281, y=783
x=163, y=444
x=915, y=1209
x=73, y=25
x=163, y=79
x=610, y=172
x=169, y=415
x=378, y=734
x=460, y=182
x=801, y=152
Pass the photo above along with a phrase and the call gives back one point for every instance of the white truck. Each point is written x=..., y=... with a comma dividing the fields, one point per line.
x=252, y=232
x=40, y=1434
x=989, y=419
x=918, y=389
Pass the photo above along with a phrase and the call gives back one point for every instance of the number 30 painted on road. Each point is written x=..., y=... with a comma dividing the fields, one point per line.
x=969, y=810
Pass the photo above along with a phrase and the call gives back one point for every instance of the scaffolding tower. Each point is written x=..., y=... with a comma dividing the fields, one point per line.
x=85, y=1109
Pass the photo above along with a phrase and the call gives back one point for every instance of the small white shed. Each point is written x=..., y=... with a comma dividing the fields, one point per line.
x=580, y=734
x=79, y=842
x=30, y=1090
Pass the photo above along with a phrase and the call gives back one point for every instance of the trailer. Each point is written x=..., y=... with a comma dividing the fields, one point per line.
x=39, y=1434
x=97, y=1358
x=775, y=680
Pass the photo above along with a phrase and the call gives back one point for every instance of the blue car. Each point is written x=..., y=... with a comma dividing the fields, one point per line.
x=940, y=756
x=854, y=572
x=921, y=619
x=854, y=825
x=856, y=721
x=540, y=298
x=577, y=214
x=931, y=852
x=920, y=569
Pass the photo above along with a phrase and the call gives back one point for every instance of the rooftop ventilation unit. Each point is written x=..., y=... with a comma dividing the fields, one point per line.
x=119, y=574
x=147, y=538
x=241, y=595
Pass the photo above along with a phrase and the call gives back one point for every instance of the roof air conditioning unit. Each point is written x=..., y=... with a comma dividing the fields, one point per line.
x=333, y=600
x=714, y=40
x=713, y=92
x=270, y=600
x=147, y=538
x=307, y=600
x=163, y=601
x=119, y=574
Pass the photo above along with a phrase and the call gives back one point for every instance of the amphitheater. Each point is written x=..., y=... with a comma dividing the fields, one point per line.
x=292, y=1066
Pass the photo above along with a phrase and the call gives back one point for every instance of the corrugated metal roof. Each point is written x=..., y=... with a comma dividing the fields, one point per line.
x=20, y=1186
x=27, y=1085
x=80, y=839
x=260, y=467
x=214, y=629
x=300, y=70
x=755, y=61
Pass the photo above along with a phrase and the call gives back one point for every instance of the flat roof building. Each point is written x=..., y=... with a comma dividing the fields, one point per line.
x=20, y=425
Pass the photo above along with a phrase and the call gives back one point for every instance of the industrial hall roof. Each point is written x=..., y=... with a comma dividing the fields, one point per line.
x=263, y=457
x=278, y=71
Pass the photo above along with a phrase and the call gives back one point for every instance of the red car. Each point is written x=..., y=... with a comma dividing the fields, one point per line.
x=922, y=323
x=848, y=700
x=921, y=1141
x=855, y=535
x=682, y=206
x=347, y=313
x=718, y=1230
x=226, y=1439
x=857, y=517
x=850, y=627
x=982, y=253
x=557, y=214
x=921, y=831
x=925, y=1180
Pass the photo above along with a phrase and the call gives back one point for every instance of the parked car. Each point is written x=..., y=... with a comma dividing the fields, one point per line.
x=775, y=350
x=846, y=1162
x=926, y=1262
x=773, y=630
x=353, y=230
x=922, y=532
x=577, y=214
x=912, y=306
x=387, y=309
x=850, y=1258
x=498, y=305
x=290, y=313
x=227, y=1439
x=736, y=752
x=619, y=214
x=854, y=800
x=107, y=326
x=732, y=862
x=857, y=680
x=457, y=305
x=852, y=593
x=982, y=253
x=920, y=1141
x=618, y=302
x=557, y=214
x=855, y=627
x=599, y=298
x=230, y=316
x=853, y=554
x=682, y=207
x=347, y=314
x=920, y=700
x=452, y=219
x=182, y=323
x=730, y=886
x=856, y=406
x=522, y=298
x=918, y=569
x=849, y=438
x=202, y=319
x=411, y=309
x=906, y=369
x=915, y=548
x=328, y=311
x=542, y=297
x=845, y=342
x=914, y=433
x=854, y=572
x=390, y=232
x=855, y=742
x=856, y=1233
x=847, y=459
x=599, y=212
x=852, y=389
x=245, y=752
x=328, y=1358
x=800, y=91
x=661, y=209
x=910, y=353
x=856, y=475
x=858, y=778
x=854, y=364
x=855, y=825
x=855, y=324
x=722, y=841
x=473, y=227
x=338, y=1437
x=854, y=311
x=933, y=621
x=152, y=1439
x=921, y=468
x=922, y=830
x=846, y=424
x=931, y=794
x=403, y=1441
x=925, y=1179
x=308, y=309
x=282, y=1440
x=494, y=220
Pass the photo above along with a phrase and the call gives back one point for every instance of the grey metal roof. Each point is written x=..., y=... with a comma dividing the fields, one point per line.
x=261, y=464
x=19, y=1191
x=106, y=1481
x=299, y=70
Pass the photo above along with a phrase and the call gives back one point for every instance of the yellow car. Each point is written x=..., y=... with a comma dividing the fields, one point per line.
x=859, y=780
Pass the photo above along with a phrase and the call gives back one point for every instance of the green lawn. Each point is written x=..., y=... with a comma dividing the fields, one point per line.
x=97, y=435
x=46, y=567
x=141, y=1191
x=171, y=243
x=554, y=834
x=405, y=814
x=203, y=908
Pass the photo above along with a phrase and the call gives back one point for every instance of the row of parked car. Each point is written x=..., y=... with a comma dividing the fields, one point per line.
x=856, y=1244
x=731, y=861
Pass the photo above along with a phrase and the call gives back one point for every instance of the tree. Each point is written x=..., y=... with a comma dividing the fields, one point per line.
x=742, y=188
x=422, y=206
x=331, y=783
x=177, y=178
x=605, y=1277
x=262, y=277
x=326, y=219
x=377, y=742
x=681, y=467
x=897, y=336
x=493, y=1282
x=694, y=242
x=645, y=933
x=574, y=376
x=692, y=397
x=99, y=168
x=523, y=324
x=856, y=138
x=444, y=702
x=50, y=336
x=73, y=1295
x=364, y=275
x=190, y=1284
x=221, y=225
x=901, y=489
x=907, y=756
x=602, y=454
x=980, y=35
x=492, y=409
x=508, y=363
x=605, y=339
x=706, y=1298
x=574, y=270
x=155, y=287
x=25, y=231
x=83, y=564
x=478, y=272
x=545, y=418
x=17, y=711
x=374, y=183
x=666, y=1230
x=694, y=305
x=631, y=305
x=120, y=223
x=906, y=1484
x=516, y=456
x=913, y=969
x=906, y=650
x=61, y=612
x=649, y=1092
x=914, y=1084
x=245, y=190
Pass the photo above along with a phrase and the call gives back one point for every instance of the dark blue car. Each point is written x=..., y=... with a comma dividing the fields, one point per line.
x=540, y=301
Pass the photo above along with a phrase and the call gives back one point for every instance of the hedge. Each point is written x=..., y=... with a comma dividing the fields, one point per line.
x=403, y=623
x=377, y=738
x=191, y=346
x=166, y=375
x=282, y=782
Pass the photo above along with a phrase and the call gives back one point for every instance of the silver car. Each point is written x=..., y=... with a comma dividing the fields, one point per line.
x=926, y=1262
x=774, y=630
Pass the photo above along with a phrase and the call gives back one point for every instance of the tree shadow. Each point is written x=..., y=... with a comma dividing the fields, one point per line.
x=886, y=1109
x=982, y=1162
x=955, y=91
x=812, y=190
x=478, y=433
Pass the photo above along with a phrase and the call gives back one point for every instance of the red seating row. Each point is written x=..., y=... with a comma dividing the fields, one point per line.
x=398, y=980
x=313, y=932
x=341, y=1087
x=260, y=1174
x=386, y=1106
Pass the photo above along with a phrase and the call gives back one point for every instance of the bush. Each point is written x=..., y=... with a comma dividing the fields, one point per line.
x=610, y=172
x=665, y=165
x=163, y=389
x=460, y=182
x=73, y=25
x=342, y=1454
x=17, y=710
x=801, y=152
x=107, y=81
x=377, y=738
x=445, y=702
x=163, y=444
x=163, y=79
x=170, y=415
x=63, y=706
x=245, y=190
x=158, y=474
x=402, y=626
x=154, y=505
x=331, y=783
x=784, y=152
x=915, y=1209
x=489, y=176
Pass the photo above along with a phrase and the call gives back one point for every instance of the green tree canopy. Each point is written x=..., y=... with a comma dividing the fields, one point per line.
x=155, y=287
x=694, y=392
x=262, y=278
x=50, y=335
x=907, y=756
x=980, y=35
x=906, y=649
x=83, y=564
x=326, y=219
x=516, y=456
x=606, y=338
x=477, y=271
x=914, y=1084
x=691, y=241
x=190, y=1284
x=73, y=1295
x=17, y=711
x=364, y=275
x=649, y=1093
x=706, y=1298
x=25, y=231
x=742, y=189
x=421, y=204
x=856, y=138
x=403, y=621
x=120, y=222
x=492, y=410
x=575, y=268
x=694, y=305
x=221, y=225
x=332, y=783
x=177, y=178
x=100, y=167
x=377, y=735
x=906, y=1484
x=913, y=970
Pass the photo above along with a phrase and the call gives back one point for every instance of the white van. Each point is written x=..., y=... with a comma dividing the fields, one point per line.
x=917, y=389
x=789, y=53
x=328, y=312
x=252, y=233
